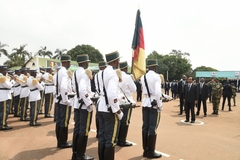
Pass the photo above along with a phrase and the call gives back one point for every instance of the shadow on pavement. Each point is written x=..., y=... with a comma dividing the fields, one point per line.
x=35, y=154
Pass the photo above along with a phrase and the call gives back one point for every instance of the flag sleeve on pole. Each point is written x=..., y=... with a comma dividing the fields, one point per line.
x=138, y=58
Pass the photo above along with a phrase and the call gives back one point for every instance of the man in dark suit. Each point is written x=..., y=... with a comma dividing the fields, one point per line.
x=203, y=96
x=167, y=87
x=180, y=90
x=190, y=99
x=227, y=93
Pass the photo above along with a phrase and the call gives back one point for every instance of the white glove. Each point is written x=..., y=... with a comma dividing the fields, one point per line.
x=120, y=115
x=90, y=108
x=159, y=109
x=69, y=103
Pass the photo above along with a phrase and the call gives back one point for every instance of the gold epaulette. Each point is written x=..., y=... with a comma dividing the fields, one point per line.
x=119, y=74
x=25, y=79
x=3, y=79
x=34, y=81
x=89, y=73
x=70, y=73
x=50, y=78
x=162, y=78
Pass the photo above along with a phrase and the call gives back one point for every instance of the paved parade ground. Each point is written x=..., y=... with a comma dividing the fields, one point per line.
x=210, y=138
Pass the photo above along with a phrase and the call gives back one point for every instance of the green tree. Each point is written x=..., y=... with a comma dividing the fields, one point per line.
x=59, y=53
x=172, y=65
x=2, y=50
x=43, y=52
x=94, y=55
x=18, y=57
x=202, y=68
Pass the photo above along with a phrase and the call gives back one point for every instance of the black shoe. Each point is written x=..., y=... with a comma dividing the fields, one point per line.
x=145, y=153
x=205, y=115
x=124, y=144
x=229, y=110
x=180, y=114
x=192, y=122
x=197, y=114
x=213, y=112
x=64, y=145
x=26, y=119
x=6, y=128
x=186, y=121
x=234, y=105
x=37, y=124
x=49, y=116
x=84, y=157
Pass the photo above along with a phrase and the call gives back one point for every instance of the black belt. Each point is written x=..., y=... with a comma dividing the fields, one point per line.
x=33, y=89
x=24, y=86
x=16, y=86
x=49, y=84
x=5, y=88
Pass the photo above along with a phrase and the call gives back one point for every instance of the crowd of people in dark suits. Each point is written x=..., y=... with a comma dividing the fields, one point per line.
x=192, y=94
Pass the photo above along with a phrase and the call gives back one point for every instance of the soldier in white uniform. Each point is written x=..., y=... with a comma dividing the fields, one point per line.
x=39, y=76
x=16, y=94
x=151, y=109
x=34, y=97
x=5, y=92
x=108, y=109
x=127, y=87
x=49, y=89
x=63, y=92
x=99, y=89
x=54, y=94
x=11, y=107
x=24, y=94
x=82, y=108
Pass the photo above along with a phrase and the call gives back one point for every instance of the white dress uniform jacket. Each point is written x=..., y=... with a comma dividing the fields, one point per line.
x=16, y=87
x=34, y=84
x=84, y=88
x=64, y=86
x=39, y=75
x=48, y=80
x=24, y=88
x=5, y=94
x=111, y=81
x=127, y=86
x=154, y=85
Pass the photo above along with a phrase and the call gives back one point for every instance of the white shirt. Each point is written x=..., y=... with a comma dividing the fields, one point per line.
x=154, y=85
x=111, y=81
x=34, y=95
x=5, y=94
x=48, y=80
x=24, y=88
x=84, y=88
x=127, y=86
x=64, y=85
x=16, y=87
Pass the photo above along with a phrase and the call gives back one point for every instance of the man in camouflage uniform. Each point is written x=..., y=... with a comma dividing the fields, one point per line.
x=234, y=91
x=216, y=94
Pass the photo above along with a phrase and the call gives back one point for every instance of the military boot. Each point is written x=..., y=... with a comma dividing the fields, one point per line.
x=151, y=147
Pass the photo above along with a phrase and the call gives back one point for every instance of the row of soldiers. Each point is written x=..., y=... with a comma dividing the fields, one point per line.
x=23, y=89
x=113, y=101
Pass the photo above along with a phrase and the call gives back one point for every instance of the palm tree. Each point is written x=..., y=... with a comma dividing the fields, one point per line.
x=22, y=52
x=43, y=52
x=2, y=50
x=59, y=53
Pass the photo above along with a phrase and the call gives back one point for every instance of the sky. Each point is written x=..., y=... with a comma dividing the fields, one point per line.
x=209, y=30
